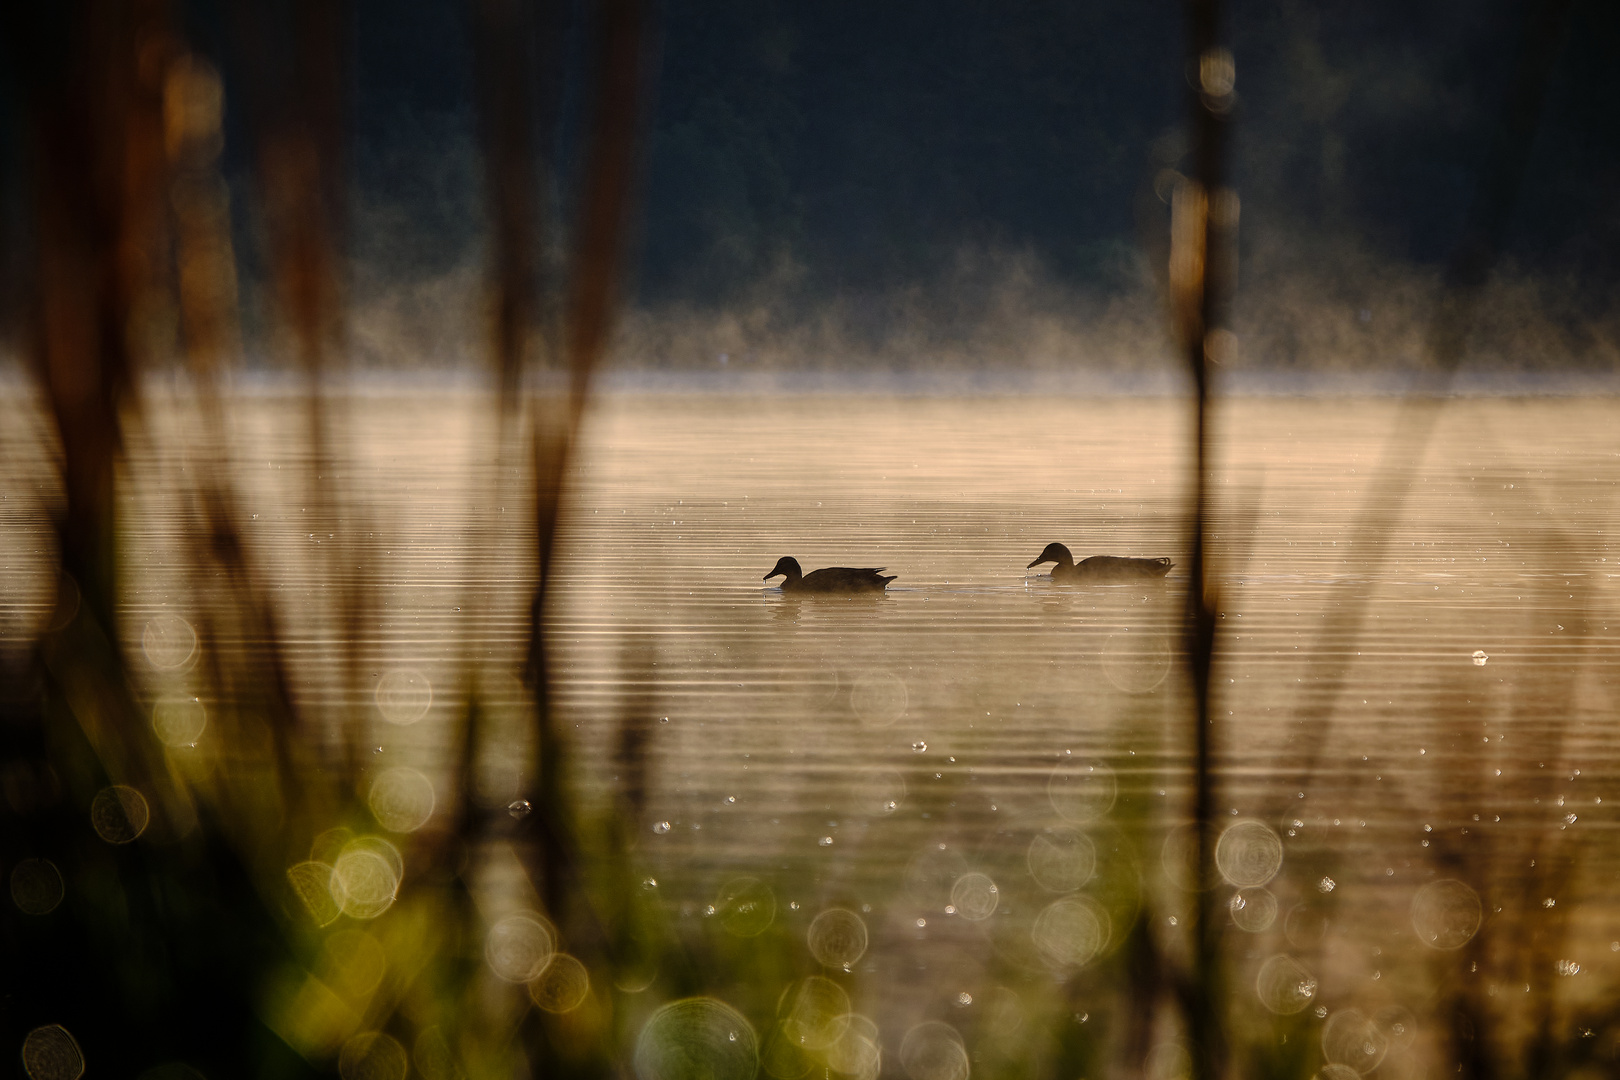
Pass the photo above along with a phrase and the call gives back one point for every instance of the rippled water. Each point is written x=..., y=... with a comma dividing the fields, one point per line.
x=988, y=773
x=1460, y=727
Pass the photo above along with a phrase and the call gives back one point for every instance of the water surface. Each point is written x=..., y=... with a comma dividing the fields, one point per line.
x=957, y=760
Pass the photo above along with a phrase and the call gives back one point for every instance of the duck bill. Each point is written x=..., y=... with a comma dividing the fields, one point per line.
x=1036, y=563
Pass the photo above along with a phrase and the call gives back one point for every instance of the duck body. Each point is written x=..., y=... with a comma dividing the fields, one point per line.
x=831, y=579
x=1101, y=567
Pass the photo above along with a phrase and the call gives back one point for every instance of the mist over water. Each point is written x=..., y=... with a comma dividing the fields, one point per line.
x=1318, y=313
x=994, y=194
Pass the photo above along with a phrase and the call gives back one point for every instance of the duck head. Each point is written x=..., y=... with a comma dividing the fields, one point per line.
x=787, y=566
x=1054, y=553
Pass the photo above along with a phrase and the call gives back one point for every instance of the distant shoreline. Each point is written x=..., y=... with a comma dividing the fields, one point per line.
x=1157, y=382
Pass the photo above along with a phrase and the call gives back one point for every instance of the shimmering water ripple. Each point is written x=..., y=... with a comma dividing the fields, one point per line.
x=870, y=755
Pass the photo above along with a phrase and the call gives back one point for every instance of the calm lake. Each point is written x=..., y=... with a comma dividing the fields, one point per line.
x=991, y=774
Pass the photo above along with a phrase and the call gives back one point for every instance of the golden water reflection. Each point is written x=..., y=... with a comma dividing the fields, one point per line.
x=884, y=834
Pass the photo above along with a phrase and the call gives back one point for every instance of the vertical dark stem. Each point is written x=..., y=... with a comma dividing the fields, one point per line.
x=1196, y=268
x=94, y=123
x=610, y=173
x=94, y=131
x=504, y=37
x=607, y=183
x=507, y=60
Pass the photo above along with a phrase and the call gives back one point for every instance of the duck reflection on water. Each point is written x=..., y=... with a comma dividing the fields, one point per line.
x=1100, y=568
x=830, y=580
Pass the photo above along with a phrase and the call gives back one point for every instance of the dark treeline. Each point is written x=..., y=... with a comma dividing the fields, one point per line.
x=869, y=141
x=866, y=140
x=899, y=162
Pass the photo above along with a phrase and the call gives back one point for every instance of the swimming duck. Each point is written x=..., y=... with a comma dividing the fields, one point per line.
x=831, y=579
x=1101, y=567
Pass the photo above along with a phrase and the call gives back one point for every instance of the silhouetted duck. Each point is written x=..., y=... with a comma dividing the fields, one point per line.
x=1101, y=567
x=832, y=579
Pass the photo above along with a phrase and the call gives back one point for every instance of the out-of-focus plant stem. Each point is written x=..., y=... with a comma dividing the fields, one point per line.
x=508, y=74
x=300, y=156
x=600, y=240
x=1204, y=212
x=94, y=79
x=1463, y=284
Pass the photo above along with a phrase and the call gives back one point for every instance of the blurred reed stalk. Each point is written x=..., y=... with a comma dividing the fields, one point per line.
x=135, y=266
x=295, y=72
x=1476, y=1036
x=1202, y=253
x=206, y=285
x=508, y=79
x=1518, y=871
x=1467, y=271
x=122, y=127
x=519, y=88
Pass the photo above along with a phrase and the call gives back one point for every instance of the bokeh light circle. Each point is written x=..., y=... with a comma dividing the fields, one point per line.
x=1168, y=1061
x=878, y=700
x=366, y=877
x=1061, y=860
x=1071, y=931
x=562, y=985
x=404, y=695
x=816, y=1013
x=1082, y=791
x=975, y=896
x=401, y=799
x=878, y=793
x=637, y=974
x=169, y=642
x=1337, y=1072
x=312, y=882
x=179, y=722
x=856, y=1054
x=1136, y=662
x=518, y=947
x=696, y=1039
x=933, y=1051
x=837, y=938
x=1349, y=1038
x=373, y=1055
x=1253, y=910
x=36, y=886
x=1249, y=853
x=119, y=814
x=745, y=906
x=51, y=1053
x=783, y=1058
x=1446, y=914
x=1284, y=986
